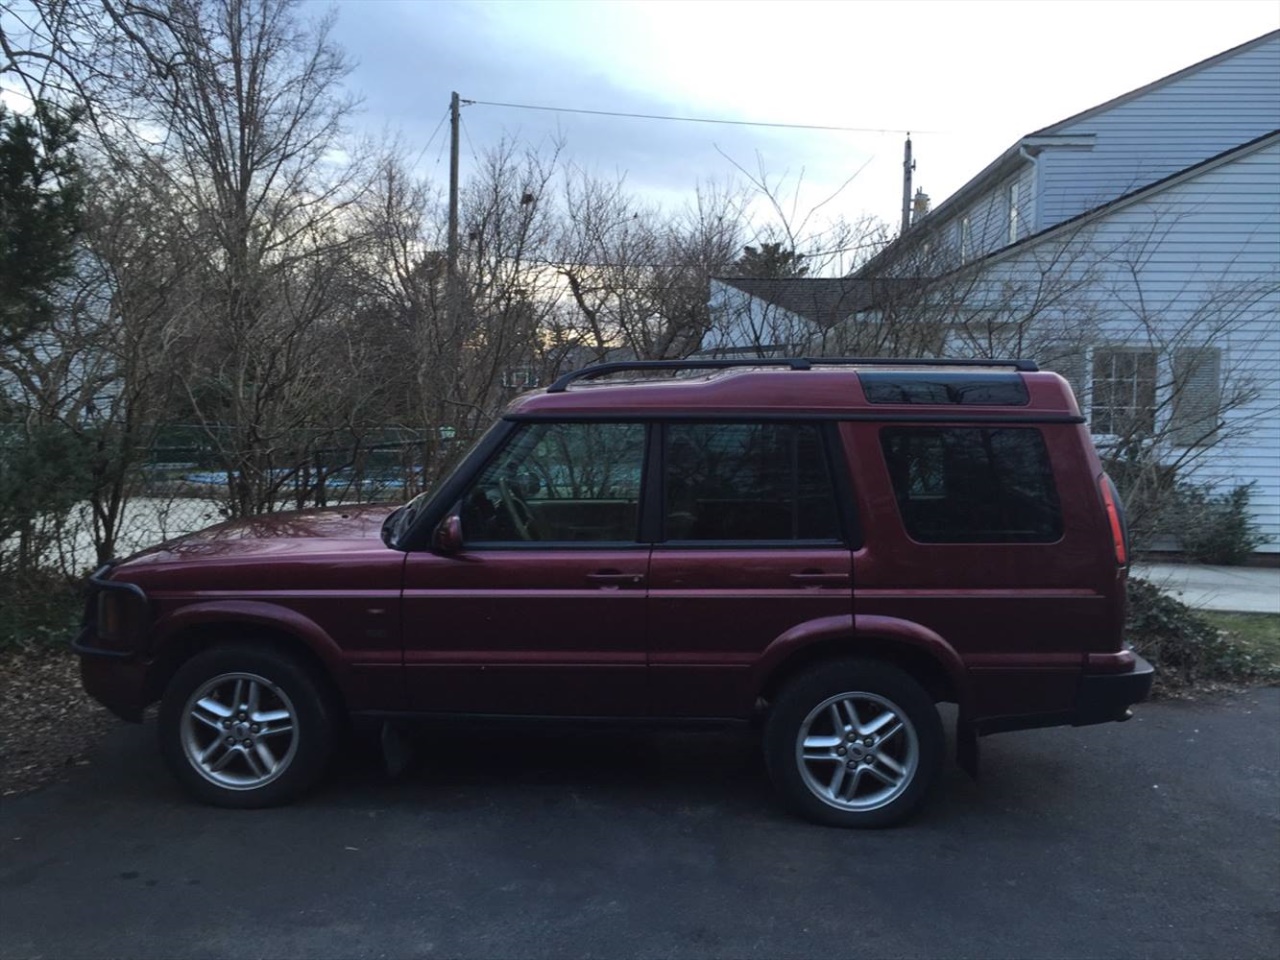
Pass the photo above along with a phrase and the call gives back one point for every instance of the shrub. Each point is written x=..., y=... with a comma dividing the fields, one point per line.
x=44, y=471
x=1184, y=647
x=38, y=610
x=1216, y=528
x=1210, y=526
x=1146, y=486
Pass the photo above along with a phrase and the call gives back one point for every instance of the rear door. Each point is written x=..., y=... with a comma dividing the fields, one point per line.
x=751, y=543
x=983, y=533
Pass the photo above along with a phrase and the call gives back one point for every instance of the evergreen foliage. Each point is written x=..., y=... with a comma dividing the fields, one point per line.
x=41, y=196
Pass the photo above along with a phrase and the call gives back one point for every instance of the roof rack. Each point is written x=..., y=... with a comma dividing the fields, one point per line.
x=793, y=363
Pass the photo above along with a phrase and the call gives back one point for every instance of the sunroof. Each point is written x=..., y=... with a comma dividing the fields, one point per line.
x=935, y=388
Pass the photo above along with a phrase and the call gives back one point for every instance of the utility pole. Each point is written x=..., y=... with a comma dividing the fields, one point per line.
x=451, y=275
x=908, y=165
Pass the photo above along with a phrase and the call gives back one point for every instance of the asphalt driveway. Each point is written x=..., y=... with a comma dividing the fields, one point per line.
x=1156, y=838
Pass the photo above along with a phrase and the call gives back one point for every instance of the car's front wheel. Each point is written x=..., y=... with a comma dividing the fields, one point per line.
x=245, y=726
x=853, y=743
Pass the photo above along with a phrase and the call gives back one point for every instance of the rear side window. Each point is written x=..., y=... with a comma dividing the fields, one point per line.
x=747, y=481
x=973, y=485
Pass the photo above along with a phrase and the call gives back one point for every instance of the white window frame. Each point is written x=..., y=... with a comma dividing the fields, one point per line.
x=1134, y=385
x=1015, y=214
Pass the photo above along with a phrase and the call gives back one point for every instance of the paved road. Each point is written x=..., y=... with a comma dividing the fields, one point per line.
x=1236, y=589
x=1157, y=838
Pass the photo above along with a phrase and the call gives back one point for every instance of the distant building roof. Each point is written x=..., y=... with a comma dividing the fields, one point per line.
x=821, y=300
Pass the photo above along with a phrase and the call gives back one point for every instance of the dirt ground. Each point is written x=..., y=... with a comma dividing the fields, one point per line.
x=48, y=724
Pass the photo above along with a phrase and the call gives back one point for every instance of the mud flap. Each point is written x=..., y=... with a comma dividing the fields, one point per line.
x=397, y=749
x=967, y=747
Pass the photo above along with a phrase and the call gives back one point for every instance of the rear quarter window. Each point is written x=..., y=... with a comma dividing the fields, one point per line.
x=973, y=484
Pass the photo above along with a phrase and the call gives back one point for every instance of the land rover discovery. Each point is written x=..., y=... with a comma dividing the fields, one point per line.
x=828, y=547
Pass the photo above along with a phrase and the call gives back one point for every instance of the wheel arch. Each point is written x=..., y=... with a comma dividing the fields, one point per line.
x=916, y=649
x=195, y=629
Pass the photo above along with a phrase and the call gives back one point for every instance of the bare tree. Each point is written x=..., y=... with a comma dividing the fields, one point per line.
x=1143, y=340
x=636, y=275
x=242, y=118
x=797, y=274
x=448, y=363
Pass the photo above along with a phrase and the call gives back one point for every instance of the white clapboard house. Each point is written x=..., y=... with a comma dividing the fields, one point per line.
x=1134, y=248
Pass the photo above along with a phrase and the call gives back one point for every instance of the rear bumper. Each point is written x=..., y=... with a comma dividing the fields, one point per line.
x=1104, y=698
x=1100, y=698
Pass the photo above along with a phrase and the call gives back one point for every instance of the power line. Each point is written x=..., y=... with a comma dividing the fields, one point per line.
x=434, y=133
x=466, y=133
x=655, y=116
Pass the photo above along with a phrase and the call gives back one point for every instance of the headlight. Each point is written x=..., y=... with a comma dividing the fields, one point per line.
x=111, y=615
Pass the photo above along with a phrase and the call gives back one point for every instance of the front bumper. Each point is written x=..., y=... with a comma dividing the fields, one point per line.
x=118, y=683
x=114, y=672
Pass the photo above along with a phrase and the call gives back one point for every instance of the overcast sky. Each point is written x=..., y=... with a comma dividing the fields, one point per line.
x=967, y=79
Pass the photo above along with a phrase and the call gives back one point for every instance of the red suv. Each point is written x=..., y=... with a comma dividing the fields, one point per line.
x=831, y=547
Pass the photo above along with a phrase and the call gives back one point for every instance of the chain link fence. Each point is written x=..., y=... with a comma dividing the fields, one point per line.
x=182, y=484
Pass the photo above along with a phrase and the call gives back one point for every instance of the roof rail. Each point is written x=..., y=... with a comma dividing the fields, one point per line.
x=793, y=363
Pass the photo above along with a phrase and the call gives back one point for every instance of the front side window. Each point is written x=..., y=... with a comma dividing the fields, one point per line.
x=1123, y=398
x=747, y=481
x=560, y=482
x=972, y=484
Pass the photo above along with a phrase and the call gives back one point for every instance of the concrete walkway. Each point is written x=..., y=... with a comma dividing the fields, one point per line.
x=1233, y=589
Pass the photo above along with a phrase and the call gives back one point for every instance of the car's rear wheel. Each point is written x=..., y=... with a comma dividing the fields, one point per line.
x=243, y=726
x=853, y=743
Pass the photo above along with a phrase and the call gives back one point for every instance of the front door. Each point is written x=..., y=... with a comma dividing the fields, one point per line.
x=543, y=610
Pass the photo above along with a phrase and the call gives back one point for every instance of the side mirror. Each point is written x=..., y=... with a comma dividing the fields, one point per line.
x=447, y=539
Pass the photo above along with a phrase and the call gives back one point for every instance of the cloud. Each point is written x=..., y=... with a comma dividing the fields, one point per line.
x=412, y=56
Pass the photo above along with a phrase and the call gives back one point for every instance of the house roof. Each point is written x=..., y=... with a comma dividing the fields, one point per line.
x=821, y=300
x=1012, y=157
x=1075, y=222
x=1154, y=85
x=1133, y=196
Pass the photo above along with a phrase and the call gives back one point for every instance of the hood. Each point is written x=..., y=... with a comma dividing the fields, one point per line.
x=275, y=536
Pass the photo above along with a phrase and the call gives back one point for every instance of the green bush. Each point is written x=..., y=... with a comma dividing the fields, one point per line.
x=1214, y=527
x=1146, y=486
x=1184, y=647
x=43, y=469
x=1210, y=526
x=38, y=610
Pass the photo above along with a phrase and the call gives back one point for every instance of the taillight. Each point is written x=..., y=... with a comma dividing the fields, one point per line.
x=1115, y=517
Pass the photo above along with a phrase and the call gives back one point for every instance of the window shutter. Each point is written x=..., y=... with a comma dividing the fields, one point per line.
x=1196, y=395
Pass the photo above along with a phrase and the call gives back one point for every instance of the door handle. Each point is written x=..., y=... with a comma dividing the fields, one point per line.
x=615, y=578
x=814, y=578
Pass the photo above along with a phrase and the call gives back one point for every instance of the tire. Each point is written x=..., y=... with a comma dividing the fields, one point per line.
x=269, y=751
x=869, y=768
